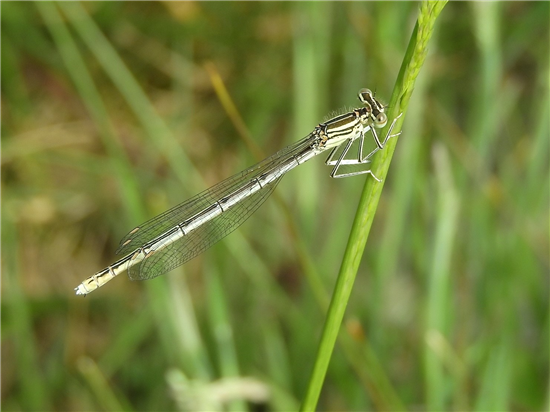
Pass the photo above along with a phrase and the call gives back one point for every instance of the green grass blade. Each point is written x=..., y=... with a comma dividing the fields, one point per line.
x=83, y=81
x=413, y=61
x=437, y=316
x=494, y=394
x=129, y=87
x=223, y=334
x=101, y=388
x=33, y=387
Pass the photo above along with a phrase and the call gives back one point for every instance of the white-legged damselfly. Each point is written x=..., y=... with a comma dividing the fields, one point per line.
x=181, y=233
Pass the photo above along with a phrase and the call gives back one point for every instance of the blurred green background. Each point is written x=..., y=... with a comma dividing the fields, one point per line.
x=111, y=114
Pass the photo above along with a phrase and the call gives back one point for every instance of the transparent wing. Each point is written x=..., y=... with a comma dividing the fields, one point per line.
x=169, y=219
x=165, y=258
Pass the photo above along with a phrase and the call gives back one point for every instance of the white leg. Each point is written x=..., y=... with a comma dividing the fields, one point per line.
x=360, y=160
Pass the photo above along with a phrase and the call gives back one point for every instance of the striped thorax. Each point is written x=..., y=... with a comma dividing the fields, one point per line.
x=352, y=125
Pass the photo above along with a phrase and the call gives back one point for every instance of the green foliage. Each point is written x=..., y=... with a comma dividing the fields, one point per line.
x=115, y=111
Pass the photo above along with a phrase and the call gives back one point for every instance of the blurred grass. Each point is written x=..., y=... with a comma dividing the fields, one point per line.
x=109, y=117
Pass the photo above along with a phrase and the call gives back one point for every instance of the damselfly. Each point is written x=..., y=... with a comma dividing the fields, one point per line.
x=181, y=233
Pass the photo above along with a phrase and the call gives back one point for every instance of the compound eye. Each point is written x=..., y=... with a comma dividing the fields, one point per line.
x=381, y=120
x=365, y=95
